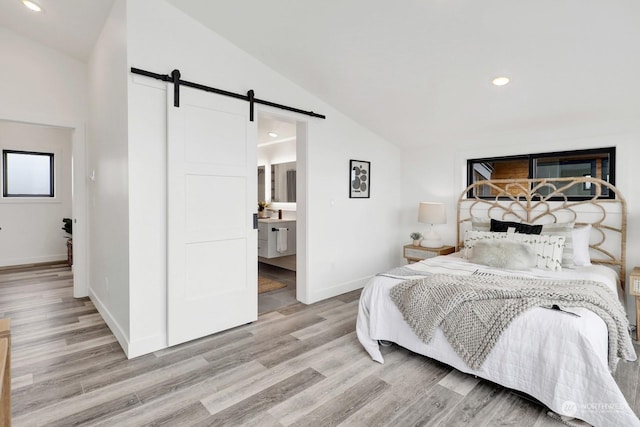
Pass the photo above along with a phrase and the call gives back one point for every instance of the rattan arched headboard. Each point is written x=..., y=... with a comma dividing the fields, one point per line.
x=546, y=200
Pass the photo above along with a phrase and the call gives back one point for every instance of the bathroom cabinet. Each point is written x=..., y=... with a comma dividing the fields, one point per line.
x=267, y=237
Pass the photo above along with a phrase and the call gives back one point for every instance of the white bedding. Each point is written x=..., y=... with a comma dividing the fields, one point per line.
x=558, y=358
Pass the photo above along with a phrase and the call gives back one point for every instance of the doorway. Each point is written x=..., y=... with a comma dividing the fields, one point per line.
x=279, y=184
x=65, y=144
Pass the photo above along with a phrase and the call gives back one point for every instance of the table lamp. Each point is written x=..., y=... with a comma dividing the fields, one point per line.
x=432, y=213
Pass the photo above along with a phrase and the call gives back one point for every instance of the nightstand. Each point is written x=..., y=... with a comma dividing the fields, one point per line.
x=418, y=253
x=634, y=289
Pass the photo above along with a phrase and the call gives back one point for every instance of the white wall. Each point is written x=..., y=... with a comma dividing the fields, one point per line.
x=31, y=227
x=345, y=243
x=39, y=84
x=43, y=86
x=108, y=165
x=438, y=173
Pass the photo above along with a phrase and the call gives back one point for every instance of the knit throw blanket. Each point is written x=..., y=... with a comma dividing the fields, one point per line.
x=473, y=311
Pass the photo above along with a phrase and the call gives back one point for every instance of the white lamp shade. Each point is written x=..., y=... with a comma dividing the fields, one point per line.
x=432, y=213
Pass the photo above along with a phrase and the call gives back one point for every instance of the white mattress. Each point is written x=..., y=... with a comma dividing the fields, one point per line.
x=558, y=358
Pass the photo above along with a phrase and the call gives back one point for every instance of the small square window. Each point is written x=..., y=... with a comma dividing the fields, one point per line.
x=27, y=174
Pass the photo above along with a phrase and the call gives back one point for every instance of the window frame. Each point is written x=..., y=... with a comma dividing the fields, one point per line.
x=531, y=158
x=5, y=181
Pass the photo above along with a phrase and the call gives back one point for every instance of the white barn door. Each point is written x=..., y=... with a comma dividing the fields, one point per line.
x=212, y=247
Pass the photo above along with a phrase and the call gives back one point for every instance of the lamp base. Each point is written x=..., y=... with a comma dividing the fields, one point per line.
x=431, y=239
x=432, y=243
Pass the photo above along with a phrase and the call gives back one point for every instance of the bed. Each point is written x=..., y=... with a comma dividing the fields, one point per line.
x=561, y=358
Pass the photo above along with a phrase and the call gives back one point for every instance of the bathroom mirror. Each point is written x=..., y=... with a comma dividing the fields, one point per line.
x=283, y=182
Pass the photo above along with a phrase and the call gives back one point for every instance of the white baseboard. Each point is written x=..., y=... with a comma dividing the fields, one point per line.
x=132, y=349
x=146, y=345
x=322, y=294
x=113, y=324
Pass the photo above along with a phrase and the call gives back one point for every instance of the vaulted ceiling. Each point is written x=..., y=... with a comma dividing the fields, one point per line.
x=419, y=71
x=71, y=26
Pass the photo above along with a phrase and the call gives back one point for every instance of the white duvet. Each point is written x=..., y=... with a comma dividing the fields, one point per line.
x=556, y=357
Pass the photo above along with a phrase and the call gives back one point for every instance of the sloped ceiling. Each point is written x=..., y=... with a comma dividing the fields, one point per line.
x=70, y=26
x=418, y=72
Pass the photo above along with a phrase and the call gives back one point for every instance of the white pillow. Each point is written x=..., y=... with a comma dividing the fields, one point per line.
x=504, y=254
x=548, y=249
x=581, y=237
x=562, y=229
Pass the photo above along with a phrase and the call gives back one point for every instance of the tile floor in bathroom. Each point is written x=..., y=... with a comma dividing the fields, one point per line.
x=280, y=298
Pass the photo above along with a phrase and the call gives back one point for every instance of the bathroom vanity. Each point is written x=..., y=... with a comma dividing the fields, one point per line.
x=268, y=237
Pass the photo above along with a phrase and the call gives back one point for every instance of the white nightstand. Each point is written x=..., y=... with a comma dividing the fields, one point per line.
x=418, y=253
x=634, y=289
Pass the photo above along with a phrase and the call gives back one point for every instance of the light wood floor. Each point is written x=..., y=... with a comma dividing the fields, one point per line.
x=298, y=366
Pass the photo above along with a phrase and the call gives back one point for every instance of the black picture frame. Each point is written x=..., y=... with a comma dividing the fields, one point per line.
x=359, y=179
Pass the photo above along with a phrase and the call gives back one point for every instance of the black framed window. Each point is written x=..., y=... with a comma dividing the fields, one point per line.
x=597, y=163
x=27, y=174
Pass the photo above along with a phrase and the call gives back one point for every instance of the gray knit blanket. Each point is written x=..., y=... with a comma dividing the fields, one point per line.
x=473, y=311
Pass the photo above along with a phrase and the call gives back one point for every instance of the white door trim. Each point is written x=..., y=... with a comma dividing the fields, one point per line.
x=302, y=198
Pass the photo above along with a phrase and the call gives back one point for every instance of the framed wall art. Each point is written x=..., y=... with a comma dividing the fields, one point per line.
x=359, y=179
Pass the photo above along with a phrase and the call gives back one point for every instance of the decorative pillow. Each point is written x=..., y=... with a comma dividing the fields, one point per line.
x=562, y=229
x=548, y=249
x=504, y=254
x=520, y=227
x=580, y=236
x=483, y=224
x=480, y=224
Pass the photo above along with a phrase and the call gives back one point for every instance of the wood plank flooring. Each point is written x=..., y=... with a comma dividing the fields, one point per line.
x=298, y=366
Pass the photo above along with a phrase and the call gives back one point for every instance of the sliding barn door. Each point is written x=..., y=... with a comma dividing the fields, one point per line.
x=212, y=247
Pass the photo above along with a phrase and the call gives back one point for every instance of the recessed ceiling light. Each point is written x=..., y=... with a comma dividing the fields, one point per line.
x=31, y=5
x=273, y=134
x=500, y=81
